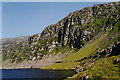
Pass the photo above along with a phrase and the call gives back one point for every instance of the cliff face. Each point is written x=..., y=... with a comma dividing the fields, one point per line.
x=74, y=32
x=81, y=25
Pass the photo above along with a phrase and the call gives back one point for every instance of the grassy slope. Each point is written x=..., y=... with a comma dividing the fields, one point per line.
x=67, y=65
x=85, y=51
x=103, y=67
x=77, y=56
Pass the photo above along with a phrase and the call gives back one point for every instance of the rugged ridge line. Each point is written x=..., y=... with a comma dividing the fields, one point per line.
x=74, y=31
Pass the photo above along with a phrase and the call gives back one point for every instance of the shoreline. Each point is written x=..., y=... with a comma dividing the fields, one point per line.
x=39, y=68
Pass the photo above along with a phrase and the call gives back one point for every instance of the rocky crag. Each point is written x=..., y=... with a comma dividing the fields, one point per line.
x=79, y=41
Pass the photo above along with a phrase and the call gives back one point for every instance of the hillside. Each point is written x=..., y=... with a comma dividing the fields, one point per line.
x=87, y=40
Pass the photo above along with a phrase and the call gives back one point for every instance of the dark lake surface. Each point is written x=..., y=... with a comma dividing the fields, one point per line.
x=35, y=74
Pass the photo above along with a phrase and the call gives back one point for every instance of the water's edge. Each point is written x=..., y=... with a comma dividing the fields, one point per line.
x=36, y=73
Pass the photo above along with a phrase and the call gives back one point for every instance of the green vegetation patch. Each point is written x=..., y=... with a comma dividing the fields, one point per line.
x=84, y=52
x=65, y=65
x=103, y=68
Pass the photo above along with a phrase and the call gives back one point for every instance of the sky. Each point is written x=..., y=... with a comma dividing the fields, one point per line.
x=29, y=18
x=59, y=0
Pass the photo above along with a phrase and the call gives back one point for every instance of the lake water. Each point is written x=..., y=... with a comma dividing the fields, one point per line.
x=35, y=74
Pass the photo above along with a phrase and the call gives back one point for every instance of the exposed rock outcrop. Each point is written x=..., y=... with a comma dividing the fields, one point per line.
x=74, y=31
